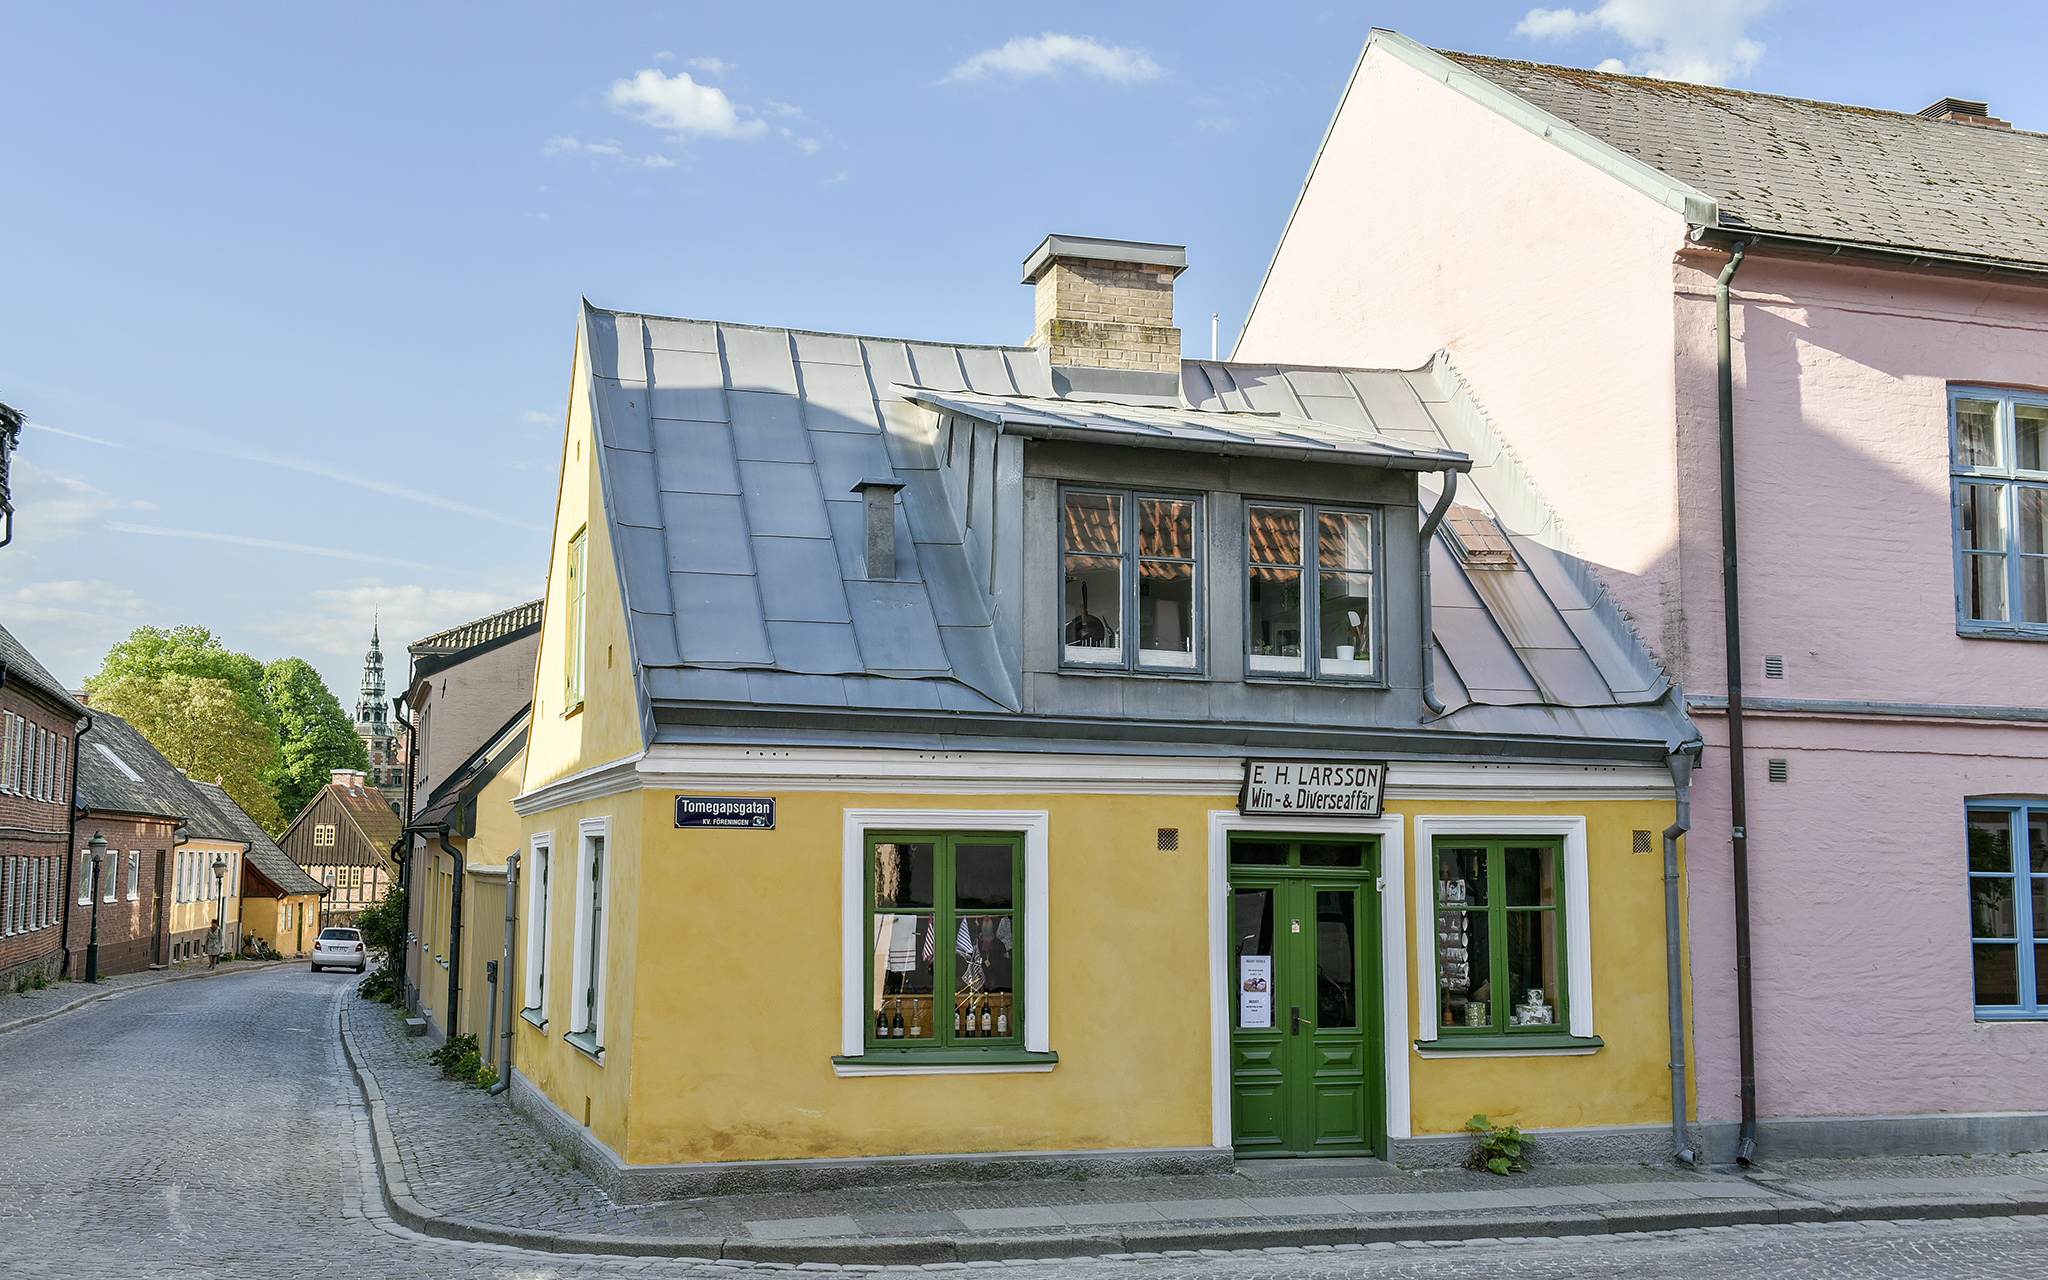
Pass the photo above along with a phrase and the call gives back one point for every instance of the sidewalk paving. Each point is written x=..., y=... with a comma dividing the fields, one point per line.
x=23, y=1008
x=462, y=1164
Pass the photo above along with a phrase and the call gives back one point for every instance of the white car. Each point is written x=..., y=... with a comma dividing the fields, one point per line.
x=339, y=948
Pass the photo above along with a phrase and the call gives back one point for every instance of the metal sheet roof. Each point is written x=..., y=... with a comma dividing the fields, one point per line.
x=729, y=453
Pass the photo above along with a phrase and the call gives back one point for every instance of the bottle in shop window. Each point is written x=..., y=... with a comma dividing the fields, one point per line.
x=881, y=1022
x=896, y=1024
x=1003, y=1019
x=956, y=1020
x=988, y=1023
x=916, y=1019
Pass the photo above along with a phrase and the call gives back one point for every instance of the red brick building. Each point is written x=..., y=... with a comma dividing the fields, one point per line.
x=38, y=761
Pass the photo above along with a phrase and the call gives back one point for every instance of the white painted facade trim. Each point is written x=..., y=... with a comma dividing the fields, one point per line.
x=713, y=768
x=1393, y=956
x=594, y=783
x=1036, y=827
x=589, y=888
x=538, y=923
x=1576, y=904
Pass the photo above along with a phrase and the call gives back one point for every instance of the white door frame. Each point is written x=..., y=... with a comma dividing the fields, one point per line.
x=1393, y=954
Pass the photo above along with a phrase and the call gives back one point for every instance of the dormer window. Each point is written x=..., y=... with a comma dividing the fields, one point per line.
x=1129, y=567
x=1326, y=633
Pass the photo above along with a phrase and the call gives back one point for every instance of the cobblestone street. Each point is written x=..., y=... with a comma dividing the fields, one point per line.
x=212, y=1128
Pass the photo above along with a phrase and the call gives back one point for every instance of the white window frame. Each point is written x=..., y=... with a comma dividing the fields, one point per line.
x=1393, y=956
x=1578, y=924
x=587, y=1015
x=538, y=918
x=134, y=875
x=1036, y=827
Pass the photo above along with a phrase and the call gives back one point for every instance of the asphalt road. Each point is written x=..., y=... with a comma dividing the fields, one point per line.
x=210, y=1128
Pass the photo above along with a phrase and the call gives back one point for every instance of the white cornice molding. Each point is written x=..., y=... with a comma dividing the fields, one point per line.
x=594, y=783
x=712, y=768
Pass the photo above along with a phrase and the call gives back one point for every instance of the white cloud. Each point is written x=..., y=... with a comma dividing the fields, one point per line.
x=1703, y=41
x=338, y=621
x=70, y=625
x=49, y=507
x=59, y=431
x=1051, y=54
x=602, y=150
x=682, y=106
x=709, y=66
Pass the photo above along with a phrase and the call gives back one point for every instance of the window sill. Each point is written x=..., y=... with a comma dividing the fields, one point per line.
x=576, y=710
x=1995, y=632
x=1996, y=1014
x=943, y=1062
x=1323, y=681
x=1497, y=1045
x=534, y=1018
x=1176, y=673
x=585, y=1042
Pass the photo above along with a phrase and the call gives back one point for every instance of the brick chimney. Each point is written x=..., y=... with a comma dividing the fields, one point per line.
x=1958, y=111
x=347, y=777
x=1105, y=316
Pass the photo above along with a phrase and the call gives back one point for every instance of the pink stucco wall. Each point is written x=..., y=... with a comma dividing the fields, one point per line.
x=1861, y=928
x=1547, y=281
x=1583, y=319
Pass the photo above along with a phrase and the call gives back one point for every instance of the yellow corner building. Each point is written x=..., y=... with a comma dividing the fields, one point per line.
x=1074, y=756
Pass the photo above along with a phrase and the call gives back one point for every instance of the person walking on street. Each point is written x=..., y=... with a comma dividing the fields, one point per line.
x=213, y=947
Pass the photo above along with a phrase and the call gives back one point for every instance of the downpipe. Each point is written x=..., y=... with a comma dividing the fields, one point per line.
x=505, y=974
x=448, y=1027
x=1731, y=614
x=1681, y=762
x=1429, y=528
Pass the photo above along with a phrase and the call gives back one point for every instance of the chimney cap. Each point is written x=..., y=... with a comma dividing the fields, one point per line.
x=1173, y=257
x=1962, y=111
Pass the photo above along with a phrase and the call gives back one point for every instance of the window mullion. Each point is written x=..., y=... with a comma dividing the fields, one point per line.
x=1496, y=932
x=944, y=961
x=1133, y=565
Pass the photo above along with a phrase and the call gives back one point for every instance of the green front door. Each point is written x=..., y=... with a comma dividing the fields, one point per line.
x=1305, y=1049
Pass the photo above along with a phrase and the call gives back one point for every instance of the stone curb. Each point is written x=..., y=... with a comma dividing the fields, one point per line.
x=1576, y=1223
x=240, y=966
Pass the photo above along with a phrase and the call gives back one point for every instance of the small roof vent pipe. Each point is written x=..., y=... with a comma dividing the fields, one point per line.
x=878, y=503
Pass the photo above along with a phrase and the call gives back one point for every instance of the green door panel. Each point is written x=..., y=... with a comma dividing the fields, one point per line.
x=1310, y=1082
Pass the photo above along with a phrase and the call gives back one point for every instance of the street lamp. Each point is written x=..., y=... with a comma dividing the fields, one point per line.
x=98, y=846
x=220, y=875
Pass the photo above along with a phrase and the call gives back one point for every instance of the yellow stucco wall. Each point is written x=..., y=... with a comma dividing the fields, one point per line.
x=608, y=725
x=187, y=917
x=579, y=1084
x=738, y=1011
x=260, y=919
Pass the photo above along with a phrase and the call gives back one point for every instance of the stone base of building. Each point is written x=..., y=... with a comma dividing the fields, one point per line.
x=1594, y=1144
x=640, y=1184
x=50, y=964
x=1797, y=1137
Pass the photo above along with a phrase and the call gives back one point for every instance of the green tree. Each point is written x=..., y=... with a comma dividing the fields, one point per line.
x=202, y=727
x=151, y=653
x=316, y=736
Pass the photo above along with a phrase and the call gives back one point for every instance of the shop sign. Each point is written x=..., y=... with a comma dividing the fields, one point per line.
x=1312, y=786
x=754, y=813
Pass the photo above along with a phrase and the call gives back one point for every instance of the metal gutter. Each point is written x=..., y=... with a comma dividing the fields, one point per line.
x=1890, y=710
x=1425, y=538
x=1682, y=761
x=1731, y=618
x=2027, y=273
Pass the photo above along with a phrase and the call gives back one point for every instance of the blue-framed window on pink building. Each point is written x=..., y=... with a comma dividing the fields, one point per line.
x=2008, y=850
x=1999, y=449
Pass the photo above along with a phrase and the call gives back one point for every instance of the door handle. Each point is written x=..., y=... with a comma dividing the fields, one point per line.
x=1294, y=1014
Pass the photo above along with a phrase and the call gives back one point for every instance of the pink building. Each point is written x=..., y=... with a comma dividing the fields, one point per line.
x=1560, y=233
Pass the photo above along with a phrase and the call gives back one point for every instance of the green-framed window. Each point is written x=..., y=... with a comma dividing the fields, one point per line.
x=945, y=925
x=1500, y=936
x=2008, y=850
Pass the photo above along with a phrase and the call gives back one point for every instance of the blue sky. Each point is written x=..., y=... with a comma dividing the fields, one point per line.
x=289, y=291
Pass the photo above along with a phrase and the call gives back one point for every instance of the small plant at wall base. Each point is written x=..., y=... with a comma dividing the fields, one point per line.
x=460, y=1060
x=1500, y=1147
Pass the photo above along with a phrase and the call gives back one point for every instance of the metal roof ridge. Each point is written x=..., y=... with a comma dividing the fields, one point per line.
x=812, y=333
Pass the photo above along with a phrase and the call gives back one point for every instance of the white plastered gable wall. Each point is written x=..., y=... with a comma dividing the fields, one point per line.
x=1431, y=221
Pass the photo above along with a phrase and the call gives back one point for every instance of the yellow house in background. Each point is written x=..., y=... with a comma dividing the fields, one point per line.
x=275, y=901
x=1074, y=756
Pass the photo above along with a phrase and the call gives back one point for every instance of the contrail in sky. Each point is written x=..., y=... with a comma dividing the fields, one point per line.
x=271, y=544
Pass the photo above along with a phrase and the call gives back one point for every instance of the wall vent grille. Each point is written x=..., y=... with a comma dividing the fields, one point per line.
x=1642, y=842
x=1774, y=667
x=1169, y=839
x=1780, y=771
